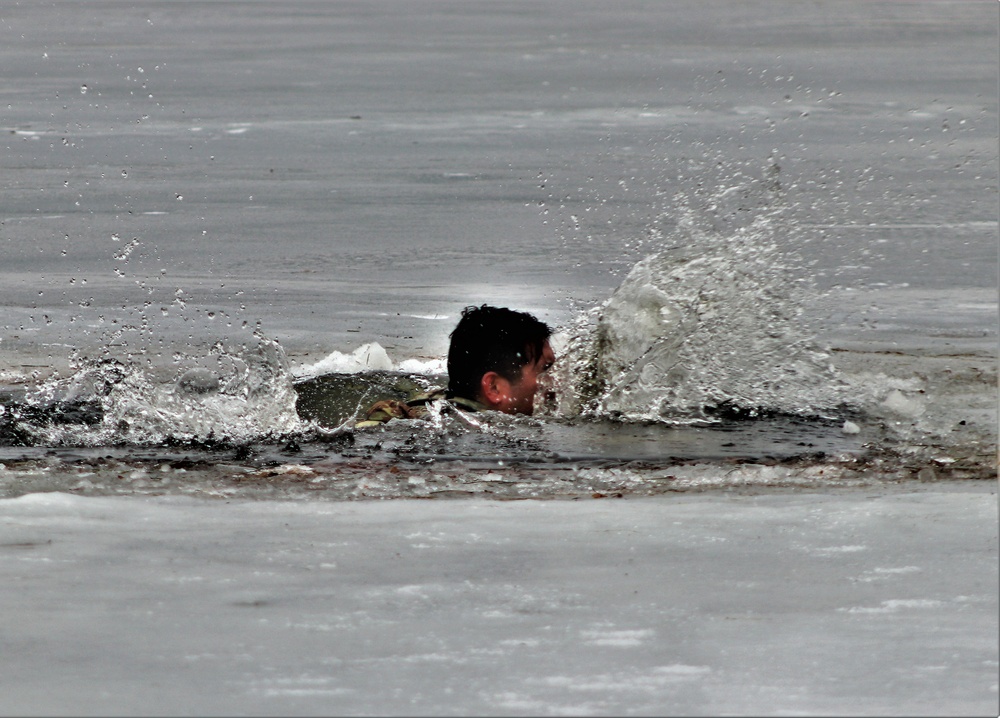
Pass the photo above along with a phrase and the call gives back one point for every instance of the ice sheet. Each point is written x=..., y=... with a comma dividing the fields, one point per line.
x=871, y=602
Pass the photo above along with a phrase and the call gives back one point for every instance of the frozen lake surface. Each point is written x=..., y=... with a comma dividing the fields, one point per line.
x=849, y=602
x=220, y=219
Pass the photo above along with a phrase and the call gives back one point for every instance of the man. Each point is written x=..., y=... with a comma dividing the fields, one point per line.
x=495, y=359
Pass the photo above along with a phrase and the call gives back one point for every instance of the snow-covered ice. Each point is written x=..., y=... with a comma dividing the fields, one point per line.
x=873, y=601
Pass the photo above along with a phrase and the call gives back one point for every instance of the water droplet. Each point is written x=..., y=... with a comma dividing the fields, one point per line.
x=123, y=255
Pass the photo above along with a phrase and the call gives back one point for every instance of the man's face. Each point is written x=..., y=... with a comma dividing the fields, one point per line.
x=520, y=394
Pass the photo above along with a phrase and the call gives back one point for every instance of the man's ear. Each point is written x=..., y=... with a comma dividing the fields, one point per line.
x=493, y=388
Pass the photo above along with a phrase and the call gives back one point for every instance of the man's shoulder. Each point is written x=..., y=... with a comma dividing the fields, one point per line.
x=384, y=411
x=467, y=404
x=415, y=407
x=427, y=397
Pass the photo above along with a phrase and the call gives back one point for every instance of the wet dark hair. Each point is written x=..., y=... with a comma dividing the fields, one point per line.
x=492, y=339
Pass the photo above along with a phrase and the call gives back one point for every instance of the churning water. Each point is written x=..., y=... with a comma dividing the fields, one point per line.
x=698, y=360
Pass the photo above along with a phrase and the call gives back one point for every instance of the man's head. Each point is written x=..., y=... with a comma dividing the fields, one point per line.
x=496, y=357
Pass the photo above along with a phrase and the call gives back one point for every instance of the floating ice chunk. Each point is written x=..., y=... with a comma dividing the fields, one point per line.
x=422, y=366
x=850, y=427
x=367, y=357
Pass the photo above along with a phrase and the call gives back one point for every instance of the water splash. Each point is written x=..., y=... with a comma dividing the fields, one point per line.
x=229, y=396
x=710, y=325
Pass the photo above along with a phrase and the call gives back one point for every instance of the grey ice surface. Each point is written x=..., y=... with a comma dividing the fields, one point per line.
x=337, y=173
x=877, y=601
